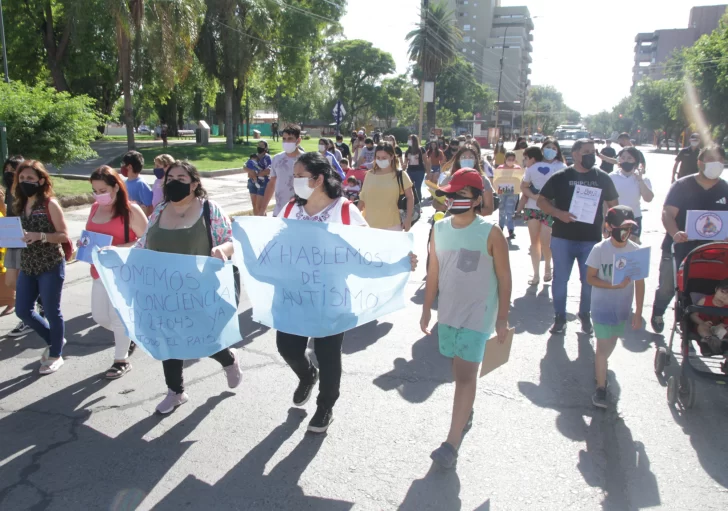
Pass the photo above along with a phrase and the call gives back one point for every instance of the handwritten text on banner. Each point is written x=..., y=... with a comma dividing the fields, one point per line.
x=172, y=305
x=315, y=279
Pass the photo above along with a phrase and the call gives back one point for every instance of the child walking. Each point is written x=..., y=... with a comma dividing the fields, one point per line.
x=506, y=179
x=469, y=266
x=612, y=303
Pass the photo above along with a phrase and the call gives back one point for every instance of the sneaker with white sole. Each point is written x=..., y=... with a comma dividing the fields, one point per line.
x=171, y=401
x=47, y=353
x=52, y=366
x=20, y=329
x=233, y=372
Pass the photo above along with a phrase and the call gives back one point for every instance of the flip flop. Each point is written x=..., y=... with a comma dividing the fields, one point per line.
x=548, y=277
x=534, y=282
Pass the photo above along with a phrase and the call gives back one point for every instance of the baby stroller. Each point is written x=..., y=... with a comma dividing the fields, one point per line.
x=697, y=277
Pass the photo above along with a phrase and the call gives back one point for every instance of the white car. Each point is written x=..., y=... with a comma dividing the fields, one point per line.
x=537, y=138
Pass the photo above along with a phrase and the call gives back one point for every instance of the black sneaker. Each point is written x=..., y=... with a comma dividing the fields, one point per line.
x=303, y=391
x=658, y=324
x=599, y=399
x=321, y=420
x=511, y=235
x=132, y=349
x=559, y=324
x=20, y=329
x=586, y=324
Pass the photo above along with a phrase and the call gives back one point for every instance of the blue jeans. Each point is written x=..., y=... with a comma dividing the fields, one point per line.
x=48, y=285
x=508, y=202
x=417, y=177
x=564, y=252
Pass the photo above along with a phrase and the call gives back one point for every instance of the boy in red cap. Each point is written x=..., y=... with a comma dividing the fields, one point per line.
x=612, y=303
x=469, y=266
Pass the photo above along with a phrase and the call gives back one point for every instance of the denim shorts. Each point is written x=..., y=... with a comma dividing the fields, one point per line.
x=468, y=345
x=254, y=190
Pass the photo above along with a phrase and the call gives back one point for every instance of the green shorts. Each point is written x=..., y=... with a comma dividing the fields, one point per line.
x=468, y=345
x=608, y=331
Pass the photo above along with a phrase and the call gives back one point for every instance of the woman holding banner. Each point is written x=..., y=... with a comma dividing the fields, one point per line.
x=178, y=226
x=112, y=214
x=319, y=198
x=42, y=263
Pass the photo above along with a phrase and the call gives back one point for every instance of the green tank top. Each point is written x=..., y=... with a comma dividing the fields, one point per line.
x=190, y=241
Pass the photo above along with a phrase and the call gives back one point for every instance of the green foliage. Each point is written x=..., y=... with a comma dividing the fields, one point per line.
x=46, y=125
x=401, y=133
x=459, y=92
x=546, y=109
x=397, y=98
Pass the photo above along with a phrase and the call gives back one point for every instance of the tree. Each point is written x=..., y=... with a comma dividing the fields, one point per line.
x=459, y=91
x=394, y=96
x=359, y=66
x=53, y=127
x=547, y=109
x=433, y=45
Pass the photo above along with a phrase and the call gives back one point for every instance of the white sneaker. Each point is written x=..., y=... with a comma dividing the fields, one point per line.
x=47, y=353
x=52, y=367
x=233, y=373
x=172, y=401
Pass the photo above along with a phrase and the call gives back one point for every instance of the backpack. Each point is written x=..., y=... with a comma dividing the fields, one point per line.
x=345, y=215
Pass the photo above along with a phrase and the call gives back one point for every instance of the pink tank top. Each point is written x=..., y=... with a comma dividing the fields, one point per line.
x=114, y=228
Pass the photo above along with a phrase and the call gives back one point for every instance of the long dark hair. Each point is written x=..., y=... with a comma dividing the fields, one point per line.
x=456, y=159
x=551, y=140
x=104, y=173
x=318, y=165
x=45, y=190
x=194, y=178
x=415, y=147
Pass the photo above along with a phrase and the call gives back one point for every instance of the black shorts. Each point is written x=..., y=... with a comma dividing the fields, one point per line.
x=638, y=230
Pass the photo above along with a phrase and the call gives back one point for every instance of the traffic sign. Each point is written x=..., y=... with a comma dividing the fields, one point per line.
x=339, y=111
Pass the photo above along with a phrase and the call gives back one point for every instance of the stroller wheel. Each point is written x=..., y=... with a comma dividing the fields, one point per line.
x=660, y=360
x=687, y=392
x=672, y=390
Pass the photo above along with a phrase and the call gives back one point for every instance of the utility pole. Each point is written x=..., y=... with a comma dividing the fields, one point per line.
x=500, y=78
x=425, y=8
x=2, y=40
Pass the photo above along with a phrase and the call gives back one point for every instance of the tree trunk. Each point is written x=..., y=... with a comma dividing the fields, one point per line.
x=229, y=128
x=125, y=64
x=54, y=51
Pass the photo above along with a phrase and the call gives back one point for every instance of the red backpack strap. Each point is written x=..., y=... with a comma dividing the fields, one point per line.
x=289, y=208
x=48, y=213
x=345, y=216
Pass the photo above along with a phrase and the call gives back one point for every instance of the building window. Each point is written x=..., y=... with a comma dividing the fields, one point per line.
x=466, y=39
x=466, y=28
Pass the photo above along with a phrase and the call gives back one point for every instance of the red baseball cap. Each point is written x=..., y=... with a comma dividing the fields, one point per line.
x=461, y=179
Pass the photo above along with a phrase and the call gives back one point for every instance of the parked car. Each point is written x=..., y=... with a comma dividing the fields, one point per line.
x=537, y=138
x=566, y=138
x=143, y=129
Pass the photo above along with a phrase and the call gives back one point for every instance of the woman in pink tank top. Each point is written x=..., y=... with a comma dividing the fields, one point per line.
x=114, y=215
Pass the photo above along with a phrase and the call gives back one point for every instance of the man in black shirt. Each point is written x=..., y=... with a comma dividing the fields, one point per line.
x=610, y=153
x=687, y=159
x=704, y=191
x=572, y=239
x=341, y=146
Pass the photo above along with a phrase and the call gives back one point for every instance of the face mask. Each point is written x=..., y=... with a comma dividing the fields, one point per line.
x=409, y=143
x=261, y=150
x=453, y=148
x=29, y=189
x=457, y=205
x=694, y=143
x=370, y=148
x=620, y=234
x=8, y=178
x=301, y=188
x=383, y=164
x=289, y=147
x=588, y=160
x=713, y=169
x=627, y=166
x=124, y=171
x=159, y=173
x=461, y=144
x=549, y=153
x=322, y=148
x=338, y=144
x=467, y=163
x=103, y=199
x=177, y=190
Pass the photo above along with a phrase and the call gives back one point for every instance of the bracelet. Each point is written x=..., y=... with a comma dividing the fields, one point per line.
x=43, y=238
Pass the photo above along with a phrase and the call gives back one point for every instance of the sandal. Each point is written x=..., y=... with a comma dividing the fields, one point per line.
x=132, y=349
x=10, y=309
x=534, y=281
x=548, y=276
x=117, y=370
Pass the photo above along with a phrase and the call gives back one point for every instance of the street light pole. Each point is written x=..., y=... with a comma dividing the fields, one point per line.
x=425, y=8
x=2, y=40
x=500, y=77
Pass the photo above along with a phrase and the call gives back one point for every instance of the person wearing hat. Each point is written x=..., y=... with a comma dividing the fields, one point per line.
x=469, y=268
x=686, y=162
x=612, y=303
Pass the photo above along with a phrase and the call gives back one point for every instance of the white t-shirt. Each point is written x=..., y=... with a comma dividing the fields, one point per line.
x=331, y=214
x=281, y=168
x=628, y=189
x=537, y=174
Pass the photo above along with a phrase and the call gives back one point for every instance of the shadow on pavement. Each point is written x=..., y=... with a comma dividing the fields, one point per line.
x=55, y=460
x=439, y=489
x=249, y=329
x=417, y=379
x=525, y=315
x=246, y=487
x=361, y=337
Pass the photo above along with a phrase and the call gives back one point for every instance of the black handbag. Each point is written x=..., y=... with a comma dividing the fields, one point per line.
x=402, y=201
x=236, y=271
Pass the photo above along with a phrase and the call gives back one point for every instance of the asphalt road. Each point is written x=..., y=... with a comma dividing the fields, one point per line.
x=73, y=441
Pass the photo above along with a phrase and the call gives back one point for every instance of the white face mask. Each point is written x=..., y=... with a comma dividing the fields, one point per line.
x=713, y=169
x=694, y=143
x=301, y=188
x=467, y=163
x=409, y=143
x=322, y=148
x=383, y=164
x=289, y=147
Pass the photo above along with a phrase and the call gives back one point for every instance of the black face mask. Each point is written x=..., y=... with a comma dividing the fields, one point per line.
x=261, y=150
x=8, y=178
x=627, y=166
x=588, y=160
x=177, y=190
x=620, y=234
x=29, y=189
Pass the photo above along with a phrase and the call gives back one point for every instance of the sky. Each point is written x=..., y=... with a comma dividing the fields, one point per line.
x=583, y=48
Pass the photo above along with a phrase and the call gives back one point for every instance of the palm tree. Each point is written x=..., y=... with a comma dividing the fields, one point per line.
x=433, y=45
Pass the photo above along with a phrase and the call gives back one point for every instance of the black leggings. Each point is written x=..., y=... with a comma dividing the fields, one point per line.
x=328, y=353
x=173, y=369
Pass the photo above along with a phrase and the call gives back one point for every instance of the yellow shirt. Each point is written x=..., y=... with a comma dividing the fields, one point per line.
x=507, y=180
x=380, y=193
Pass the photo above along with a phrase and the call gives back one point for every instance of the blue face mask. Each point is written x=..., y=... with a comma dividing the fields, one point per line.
x=467, y=163
x=549, y=153
x=159, y=173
